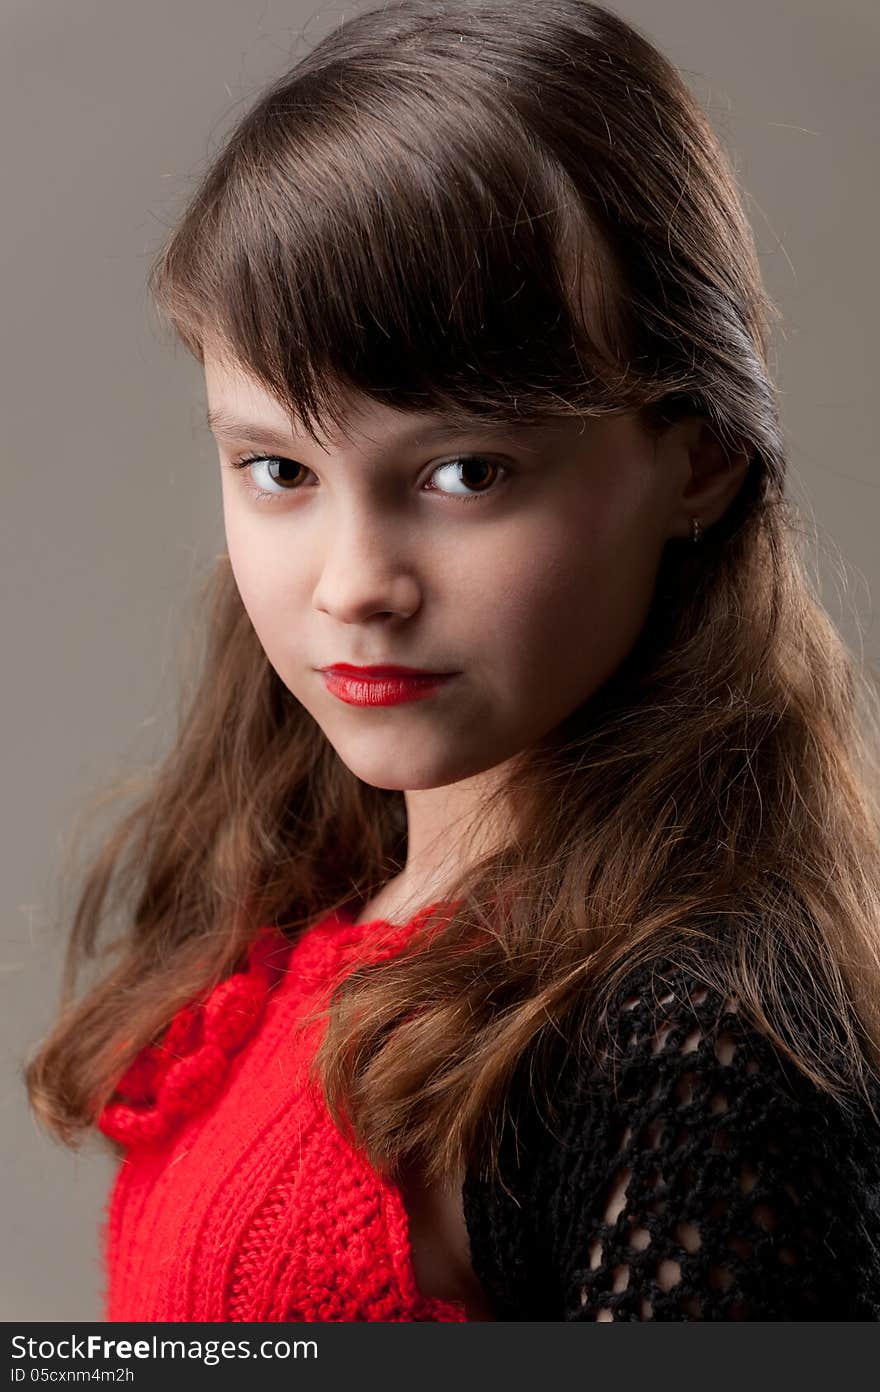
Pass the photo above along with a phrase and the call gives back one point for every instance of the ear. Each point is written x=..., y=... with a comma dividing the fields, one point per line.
x=711, y=473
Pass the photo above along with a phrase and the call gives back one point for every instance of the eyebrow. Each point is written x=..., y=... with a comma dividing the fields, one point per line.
x=223, y=424
x=227, y=426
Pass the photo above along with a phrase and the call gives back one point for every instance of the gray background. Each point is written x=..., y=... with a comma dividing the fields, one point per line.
x=110, y=496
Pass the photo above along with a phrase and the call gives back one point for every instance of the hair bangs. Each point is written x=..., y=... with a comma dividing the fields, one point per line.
x=348, y=244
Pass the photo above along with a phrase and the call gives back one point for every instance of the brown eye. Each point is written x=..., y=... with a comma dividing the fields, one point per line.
x=284, y=475
x=286, y=472
x=469, y=476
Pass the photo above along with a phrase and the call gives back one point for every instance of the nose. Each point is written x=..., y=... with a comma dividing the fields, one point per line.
x=366, y=572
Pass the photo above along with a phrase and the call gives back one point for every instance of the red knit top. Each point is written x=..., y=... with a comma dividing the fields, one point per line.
x=237, y=1197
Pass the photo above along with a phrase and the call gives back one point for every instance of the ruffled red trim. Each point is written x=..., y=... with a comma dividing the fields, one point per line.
x=185, y=1070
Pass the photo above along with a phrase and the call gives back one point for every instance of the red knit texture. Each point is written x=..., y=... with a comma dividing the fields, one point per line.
x=237, y=1197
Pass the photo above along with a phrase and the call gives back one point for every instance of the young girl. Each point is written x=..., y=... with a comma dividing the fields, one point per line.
x=501, y=936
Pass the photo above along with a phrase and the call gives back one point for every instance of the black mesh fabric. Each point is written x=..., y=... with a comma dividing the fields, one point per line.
x=711, y=1181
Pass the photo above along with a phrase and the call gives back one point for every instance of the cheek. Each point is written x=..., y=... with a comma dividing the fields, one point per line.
x=265, y=591
x=246, y=559
x=571, y=598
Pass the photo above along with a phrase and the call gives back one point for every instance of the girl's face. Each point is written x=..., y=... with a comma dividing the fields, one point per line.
x=523, y=561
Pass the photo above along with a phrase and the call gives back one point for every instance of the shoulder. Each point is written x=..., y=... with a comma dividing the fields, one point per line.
x=695, y=1173
x=666, y=1036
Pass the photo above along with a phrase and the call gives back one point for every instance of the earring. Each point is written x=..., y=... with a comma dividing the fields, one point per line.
x=696, y=528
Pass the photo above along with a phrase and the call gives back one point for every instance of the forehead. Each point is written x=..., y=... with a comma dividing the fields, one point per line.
x=236, y=400
x=238, y=405
x=241, y=411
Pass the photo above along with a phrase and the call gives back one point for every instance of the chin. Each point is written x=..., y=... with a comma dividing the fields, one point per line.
x=399, y=774
x=397, y=778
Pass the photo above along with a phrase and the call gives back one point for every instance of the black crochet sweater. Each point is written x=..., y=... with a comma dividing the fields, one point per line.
x=713, y=1182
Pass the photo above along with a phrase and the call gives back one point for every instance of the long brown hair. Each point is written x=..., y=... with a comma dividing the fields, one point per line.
x=503, y=212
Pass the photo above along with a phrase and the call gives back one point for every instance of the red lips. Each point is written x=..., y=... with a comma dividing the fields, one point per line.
x=386, y=670
x=382, y=686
